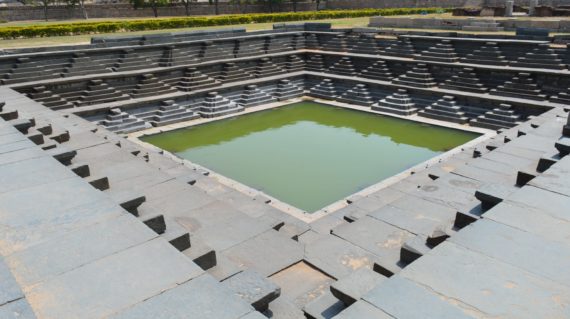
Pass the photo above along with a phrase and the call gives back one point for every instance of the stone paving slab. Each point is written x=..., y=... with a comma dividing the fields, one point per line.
x=19, y=309
x=513, y=246
x=555, y=179
x=352, y=287
x=336, y=257
x=324, y=307
x=393, y=295
x=479, y=281
x=117, y=279
x=362, y=309
x=31, y=172
x=77, y=248
x=253, y=288
x=283, y=308
x=201, y=297
x=9, y=288
x=267, y=253
x=377, y=237
x=65, y=205
x=301, y=283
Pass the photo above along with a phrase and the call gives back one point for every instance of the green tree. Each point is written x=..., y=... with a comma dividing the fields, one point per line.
x=81, y=3
x=186, y=4
x=153, y=4
x=215, y=3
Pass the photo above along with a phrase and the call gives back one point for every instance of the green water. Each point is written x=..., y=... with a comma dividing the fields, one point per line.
x=310, y=155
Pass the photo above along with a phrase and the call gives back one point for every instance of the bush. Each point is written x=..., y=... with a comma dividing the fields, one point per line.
x=189, y=22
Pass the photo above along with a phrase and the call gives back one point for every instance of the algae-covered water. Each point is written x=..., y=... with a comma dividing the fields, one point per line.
x=310, y=155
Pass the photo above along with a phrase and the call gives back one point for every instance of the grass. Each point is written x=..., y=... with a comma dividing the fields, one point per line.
x=84, y=39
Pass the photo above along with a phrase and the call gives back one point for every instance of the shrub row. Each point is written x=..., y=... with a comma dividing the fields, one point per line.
x=189, y=22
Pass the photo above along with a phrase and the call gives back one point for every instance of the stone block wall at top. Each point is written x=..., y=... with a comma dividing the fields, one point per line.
x=360, y=4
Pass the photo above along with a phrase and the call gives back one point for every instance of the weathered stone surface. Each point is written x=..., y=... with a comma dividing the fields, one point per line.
x=19, y=309
x=362, y=309
x=9, y=288
x=253, y=288
x=267, y=253
x=118, y=282
x=324, y=307
x=199, y=297
x=301, y=283
x=352, y=287
x=392, y=296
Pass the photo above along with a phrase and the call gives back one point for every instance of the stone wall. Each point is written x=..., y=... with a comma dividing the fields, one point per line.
x=551, y=3
x=126, y=10
x=360, y=4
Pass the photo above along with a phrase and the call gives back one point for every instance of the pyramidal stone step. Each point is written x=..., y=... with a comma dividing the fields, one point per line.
x=324, y=90
x=489, y=53
x=232, y=73
x=344, y=67
x=562, y=97
x=98, y=92
x=212, y=51
x=130, y=60
x=122, y=122
x=316, y=63
x=445, y=109
x=521, y=86
x=149, y=85
x=46, y=97
x=358, y=95
x=175, y=55
x=312, y=42
x=366, y=44
x=379, y=70
x=249, y=47
x=82, y=64
x=402, y=47
x=169, y=113
x=195, y=80
x=336, y=44
x=266, y=68
x=287, y=90
x=502, y=117
x=542, y=57
x=215, y=105
x=419, y=76
x=253, y=96
x=294, y=64
x=441, y=52
x=464, y=80
x=398, y=103
x=278, y=44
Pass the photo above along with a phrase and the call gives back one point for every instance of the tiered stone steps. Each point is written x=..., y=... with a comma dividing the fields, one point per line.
x=287, y=90
x=122, y=122
x=278, y=44
x=232, y=73
x=81, y=64
x=294, y=64
x=324, y=90
x=441, y=52
x=521, y=86
x=499, y=118
x=25, y=69
x=312, y=42
x=216, y=105
x=253, y=96
x=486, y=54
x=366, y=44
x=250, y=47
x=464, y=80
x=402, y=48
x=267, y=68
x=398, y=103
x=419, y=76
x=542, y=57
x=216, y=51
x=130, y=60
x=358, y=95
x=149, y=85
x=344, y=66
x=336, y=43
x=98, y=92
x=315, y=63
x=49, y=99
x=561, y=97
x=379, y=71
x=178, y=55
x=195, y=80
x=483, y=26
x=167, y=113
x=445, y=109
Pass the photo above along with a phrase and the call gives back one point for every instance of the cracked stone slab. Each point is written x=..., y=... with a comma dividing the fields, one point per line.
x=9, y=287
x=362, y=309
x=190, y=299
x=479, y=281
x=393, y=295
x=19, y=309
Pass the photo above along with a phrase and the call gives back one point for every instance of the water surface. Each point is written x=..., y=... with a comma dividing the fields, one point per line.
x=310, y=155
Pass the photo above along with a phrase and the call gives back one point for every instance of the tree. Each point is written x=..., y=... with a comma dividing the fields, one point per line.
x=73, y=3
x=153, y=4
x=186, y=4
x=45, y=4
x=294, y=5
x=215, y=2
x=271, y=3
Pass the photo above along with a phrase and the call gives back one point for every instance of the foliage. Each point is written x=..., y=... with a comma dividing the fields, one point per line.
x=189, y=22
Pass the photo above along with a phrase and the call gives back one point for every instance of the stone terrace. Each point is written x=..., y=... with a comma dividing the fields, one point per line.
x=97, y=226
